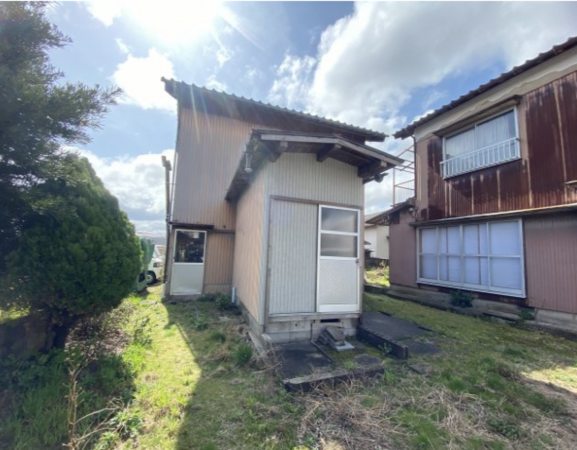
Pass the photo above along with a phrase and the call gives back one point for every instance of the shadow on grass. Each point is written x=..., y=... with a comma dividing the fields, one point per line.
x=236, y=402
x=34, y=398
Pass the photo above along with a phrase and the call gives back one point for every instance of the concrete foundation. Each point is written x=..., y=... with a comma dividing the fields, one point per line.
x=306, y=329
x=557, y=319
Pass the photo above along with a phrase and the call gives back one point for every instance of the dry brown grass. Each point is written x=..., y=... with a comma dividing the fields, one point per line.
x=411, y=413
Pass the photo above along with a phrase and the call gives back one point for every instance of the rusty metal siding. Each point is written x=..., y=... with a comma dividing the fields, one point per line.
x=403, y=250
x=548, y=138
x=551, y=262
x=218, y=263
x=293, y=257
x=208, y=152
x=301, y=176
x=248, y=266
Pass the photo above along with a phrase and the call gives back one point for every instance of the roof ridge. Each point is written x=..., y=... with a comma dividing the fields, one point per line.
x=367, y=131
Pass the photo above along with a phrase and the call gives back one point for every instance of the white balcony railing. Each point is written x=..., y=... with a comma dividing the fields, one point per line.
x=484, y=157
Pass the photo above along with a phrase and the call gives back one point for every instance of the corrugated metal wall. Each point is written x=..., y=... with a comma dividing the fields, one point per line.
x=402, y=250
x=219, y=260
x=548, y=137
x=208, y=152
x=551, y=261
x=301, y=176
x=248, y=267
x=292, y=257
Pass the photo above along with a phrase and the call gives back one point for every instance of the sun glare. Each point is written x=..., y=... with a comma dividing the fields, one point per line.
x=176, y=22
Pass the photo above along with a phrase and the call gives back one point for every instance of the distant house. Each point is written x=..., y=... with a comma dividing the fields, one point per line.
x=376, y=238
x=495, y=210
x=268, y=204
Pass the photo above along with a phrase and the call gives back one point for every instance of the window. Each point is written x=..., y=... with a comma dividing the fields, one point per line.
x=189, y=247
x=486, y=143
x=339, y=232
x=485, y=257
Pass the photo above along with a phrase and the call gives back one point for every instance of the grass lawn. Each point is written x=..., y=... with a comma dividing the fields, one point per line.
x=378, y=276
x=187, y=383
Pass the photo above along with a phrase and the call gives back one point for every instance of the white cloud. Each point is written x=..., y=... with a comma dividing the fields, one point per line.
x=213, y=83
x=122, y=46
x=369, y=64
x=223, y=55
x=150, y=228
x=105, y=11
x=291, y=87
x=139, y=78
x=137, y=181
x=432, y=97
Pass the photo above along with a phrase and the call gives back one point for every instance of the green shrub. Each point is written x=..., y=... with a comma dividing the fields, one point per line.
x=127, y=423
x=462, y=298
x=74, y=265
x=242, y=354
x=217, y=336
x=525, y=314
x=199, y=323
x=223, y=302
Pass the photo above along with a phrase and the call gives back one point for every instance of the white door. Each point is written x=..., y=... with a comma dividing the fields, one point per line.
x=338, y=263
x=188, y=262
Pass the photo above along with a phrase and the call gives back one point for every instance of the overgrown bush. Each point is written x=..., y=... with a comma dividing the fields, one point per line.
x=462, y=299
x=223, y=302
x=77, y=265
x=242, y=354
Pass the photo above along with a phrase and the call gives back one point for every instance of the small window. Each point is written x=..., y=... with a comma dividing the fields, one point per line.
x=339, y=245
x=486, y=143
x=189, y=247
x=344, y=220
x=485, y=257
x=339, y=232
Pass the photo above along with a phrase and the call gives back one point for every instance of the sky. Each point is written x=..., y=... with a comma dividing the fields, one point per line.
x=378, y=65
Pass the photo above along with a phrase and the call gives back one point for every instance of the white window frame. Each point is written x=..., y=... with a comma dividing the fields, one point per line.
x=341, y=308
x=487, y=162
x=473, y=287
x=176, y=242
x=342, y=233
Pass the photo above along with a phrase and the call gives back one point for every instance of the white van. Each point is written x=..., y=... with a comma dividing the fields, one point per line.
x=156, y=267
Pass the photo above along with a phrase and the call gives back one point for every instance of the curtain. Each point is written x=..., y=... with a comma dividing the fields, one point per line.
x=459, y=144
x=496, y=130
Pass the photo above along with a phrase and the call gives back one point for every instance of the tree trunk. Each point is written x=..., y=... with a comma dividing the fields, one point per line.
x=61, y=329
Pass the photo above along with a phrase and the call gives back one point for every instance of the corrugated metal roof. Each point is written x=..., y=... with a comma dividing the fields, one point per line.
x=517, y=70
x=172, y=87
x=382, y=218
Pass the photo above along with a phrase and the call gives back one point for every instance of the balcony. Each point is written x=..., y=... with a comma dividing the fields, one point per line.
x=479, y=159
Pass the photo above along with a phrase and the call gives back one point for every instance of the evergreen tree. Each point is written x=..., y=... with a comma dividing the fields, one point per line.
x=76, y=264
x=38, y=114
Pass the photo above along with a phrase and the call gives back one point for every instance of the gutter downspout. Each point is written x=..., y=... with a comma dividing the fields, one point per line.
x=415, y=162
x=167, y=169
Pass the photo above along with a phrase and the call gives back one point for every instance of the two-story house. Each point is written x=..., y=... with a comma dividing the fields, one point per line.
x=267, y=204
x=495, y=207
